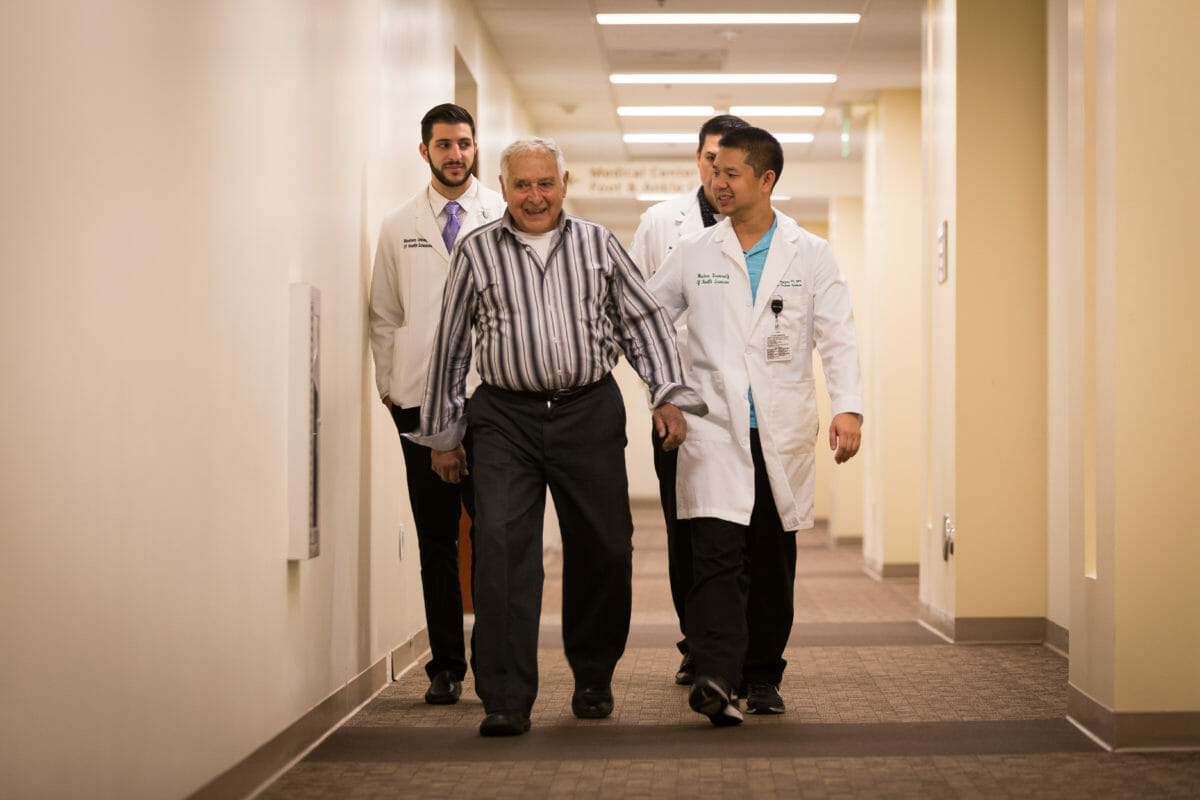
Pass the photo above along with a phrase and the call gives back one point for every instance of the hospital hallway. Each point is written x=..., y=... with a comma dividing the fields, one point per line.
x=877, y=706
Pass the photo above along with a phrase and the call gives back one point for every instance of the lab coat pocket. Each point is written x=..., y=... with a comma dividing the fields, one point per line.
x=714, y=426
x=794, y=416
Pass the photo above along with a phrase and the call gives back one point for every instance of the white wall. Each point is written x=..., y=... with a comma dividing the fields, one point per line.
x=168, y=169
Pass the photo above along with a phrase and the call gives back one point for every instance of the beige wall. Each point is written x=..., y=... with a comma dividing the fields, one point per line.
x=893, y=314
x=988, y=181
x=847, y=504
x=1155, y=351
x=1135, y=639
x=168, y=170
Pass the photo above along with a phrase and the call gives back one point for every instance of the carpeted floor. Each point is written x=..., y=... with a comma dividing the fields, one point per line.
x=877, y=706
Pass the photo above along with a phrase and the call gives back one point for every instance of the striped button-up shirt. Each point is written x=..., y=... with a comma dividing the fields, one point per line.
x=542, y=327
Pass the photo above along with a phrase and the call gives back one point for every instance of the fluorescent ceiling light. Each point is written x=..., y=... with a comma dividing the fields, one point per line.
x=777, y=111
x=727, y=19
x=658, y=197
x=665, y=111
x=722, y=77
x=660, y=138
x=689, y=138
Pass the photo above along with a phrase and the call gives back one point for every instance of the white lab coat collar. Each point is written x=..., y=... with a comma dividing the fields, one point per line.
x=783, y=249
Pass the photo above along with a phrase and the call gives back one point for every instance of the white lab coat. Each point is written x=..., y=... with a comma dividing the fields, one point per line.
x=661, y=227
x=411, y=266
x=706, y=276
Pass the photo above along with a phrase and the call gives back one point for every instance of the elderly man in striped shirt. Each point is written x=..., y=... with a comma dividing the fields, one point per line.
x=553, y=301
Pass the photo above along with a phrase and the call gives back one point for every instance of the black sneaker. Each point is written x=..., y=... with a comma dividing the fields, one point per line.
x=687, y=670
x=763, y=698
x=711, y=697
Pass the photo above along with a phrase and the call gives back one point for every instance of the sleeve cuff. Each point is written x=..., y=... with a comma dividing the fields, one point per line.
x=446, y=439
x=682, y=397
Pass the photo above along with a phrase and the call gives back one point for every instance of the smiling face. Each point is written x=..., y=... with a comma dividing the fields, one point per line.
x=735, y=189
x=534, y=191
x=450, y=153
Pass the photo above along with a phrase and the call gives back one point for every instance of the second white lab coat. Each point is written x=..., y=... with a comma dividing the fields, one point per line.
x=660, y=229
x=706, y=276
x=411, y=266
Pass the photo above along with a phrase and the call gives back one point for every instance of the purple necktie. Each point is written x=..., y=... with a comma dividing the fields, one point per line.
x=450, y=232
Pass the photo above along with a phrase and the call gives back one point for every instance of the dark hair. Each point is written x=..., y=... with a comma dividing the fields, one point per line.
x=763, y=151
x=719, y=126
x=448, y=113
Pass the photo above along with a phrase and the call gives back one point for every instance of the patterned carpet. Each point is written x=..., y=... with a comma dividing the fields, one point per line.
x=877, y=706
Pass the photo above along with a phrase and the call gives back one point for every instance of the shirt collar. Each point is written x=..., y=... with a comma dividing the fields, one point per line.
x=707, y=213
x=467, y=200
x=764, y=243
x=507, y=223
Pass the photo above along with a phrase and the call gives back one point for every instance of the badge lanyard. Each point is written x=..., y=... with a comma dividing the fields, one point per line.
x=779, y=347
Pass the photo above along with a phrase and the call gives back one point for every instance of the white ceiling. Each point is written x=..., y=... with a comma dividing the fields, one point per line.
x=560, y=59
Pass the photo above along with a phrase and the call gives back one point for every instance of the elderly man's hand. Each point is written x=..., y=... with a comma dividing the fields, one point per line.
x=450, y=465
x=670, y=425
x=845, y=435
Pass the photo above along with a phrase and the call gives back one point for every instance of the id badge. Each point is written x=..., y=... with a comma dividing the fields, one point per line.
x=779, y=347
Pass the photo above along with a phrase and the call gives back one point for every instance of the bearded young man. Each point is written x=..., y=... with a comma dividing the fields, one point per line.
x=411, y=264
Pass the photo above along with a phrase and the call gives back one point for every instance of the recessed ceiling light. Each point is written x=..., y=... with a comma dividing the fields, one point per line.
x=727, y=19
x=777, y=111
x=722, y=77
x=690, y=138
x=665, y=111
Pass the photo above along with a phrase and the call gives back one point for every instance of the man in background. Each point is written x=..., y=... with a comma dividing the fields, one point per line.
x=411, y=264
x=657, y=235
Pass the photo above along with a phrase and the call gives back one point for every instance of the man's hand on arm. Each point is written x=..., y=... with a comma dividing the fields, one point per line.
x=450, y=465
x=845, y=435
x=670, y=425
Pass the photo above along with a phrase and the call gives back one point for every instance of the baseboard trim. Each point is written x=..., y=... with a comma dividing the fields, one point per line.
x=988, y=630
x=644, y=503
x=406, y=655
x=252, y=773
x=937, y=621
x=881, y=571
x=1000, y=630
x=1125, y=731
x=845, y=541
x=1058, y=639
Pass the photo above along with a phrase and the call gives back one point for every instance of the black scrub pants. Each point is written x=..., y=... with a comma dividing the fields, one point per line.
x=576, y=446
x=741, y=607
x=679, y=536
x=437, y=507
x=771, y=574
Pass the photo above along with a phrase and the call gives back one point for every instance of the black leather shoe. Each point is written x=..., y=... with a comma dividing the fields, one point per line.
x=592, y=702
x=687, y=670
x=444, y=690
x=504, y=723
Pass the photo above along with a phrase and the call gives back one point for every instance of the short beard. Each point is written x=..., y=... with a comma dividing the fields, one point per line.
x=437, y=173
